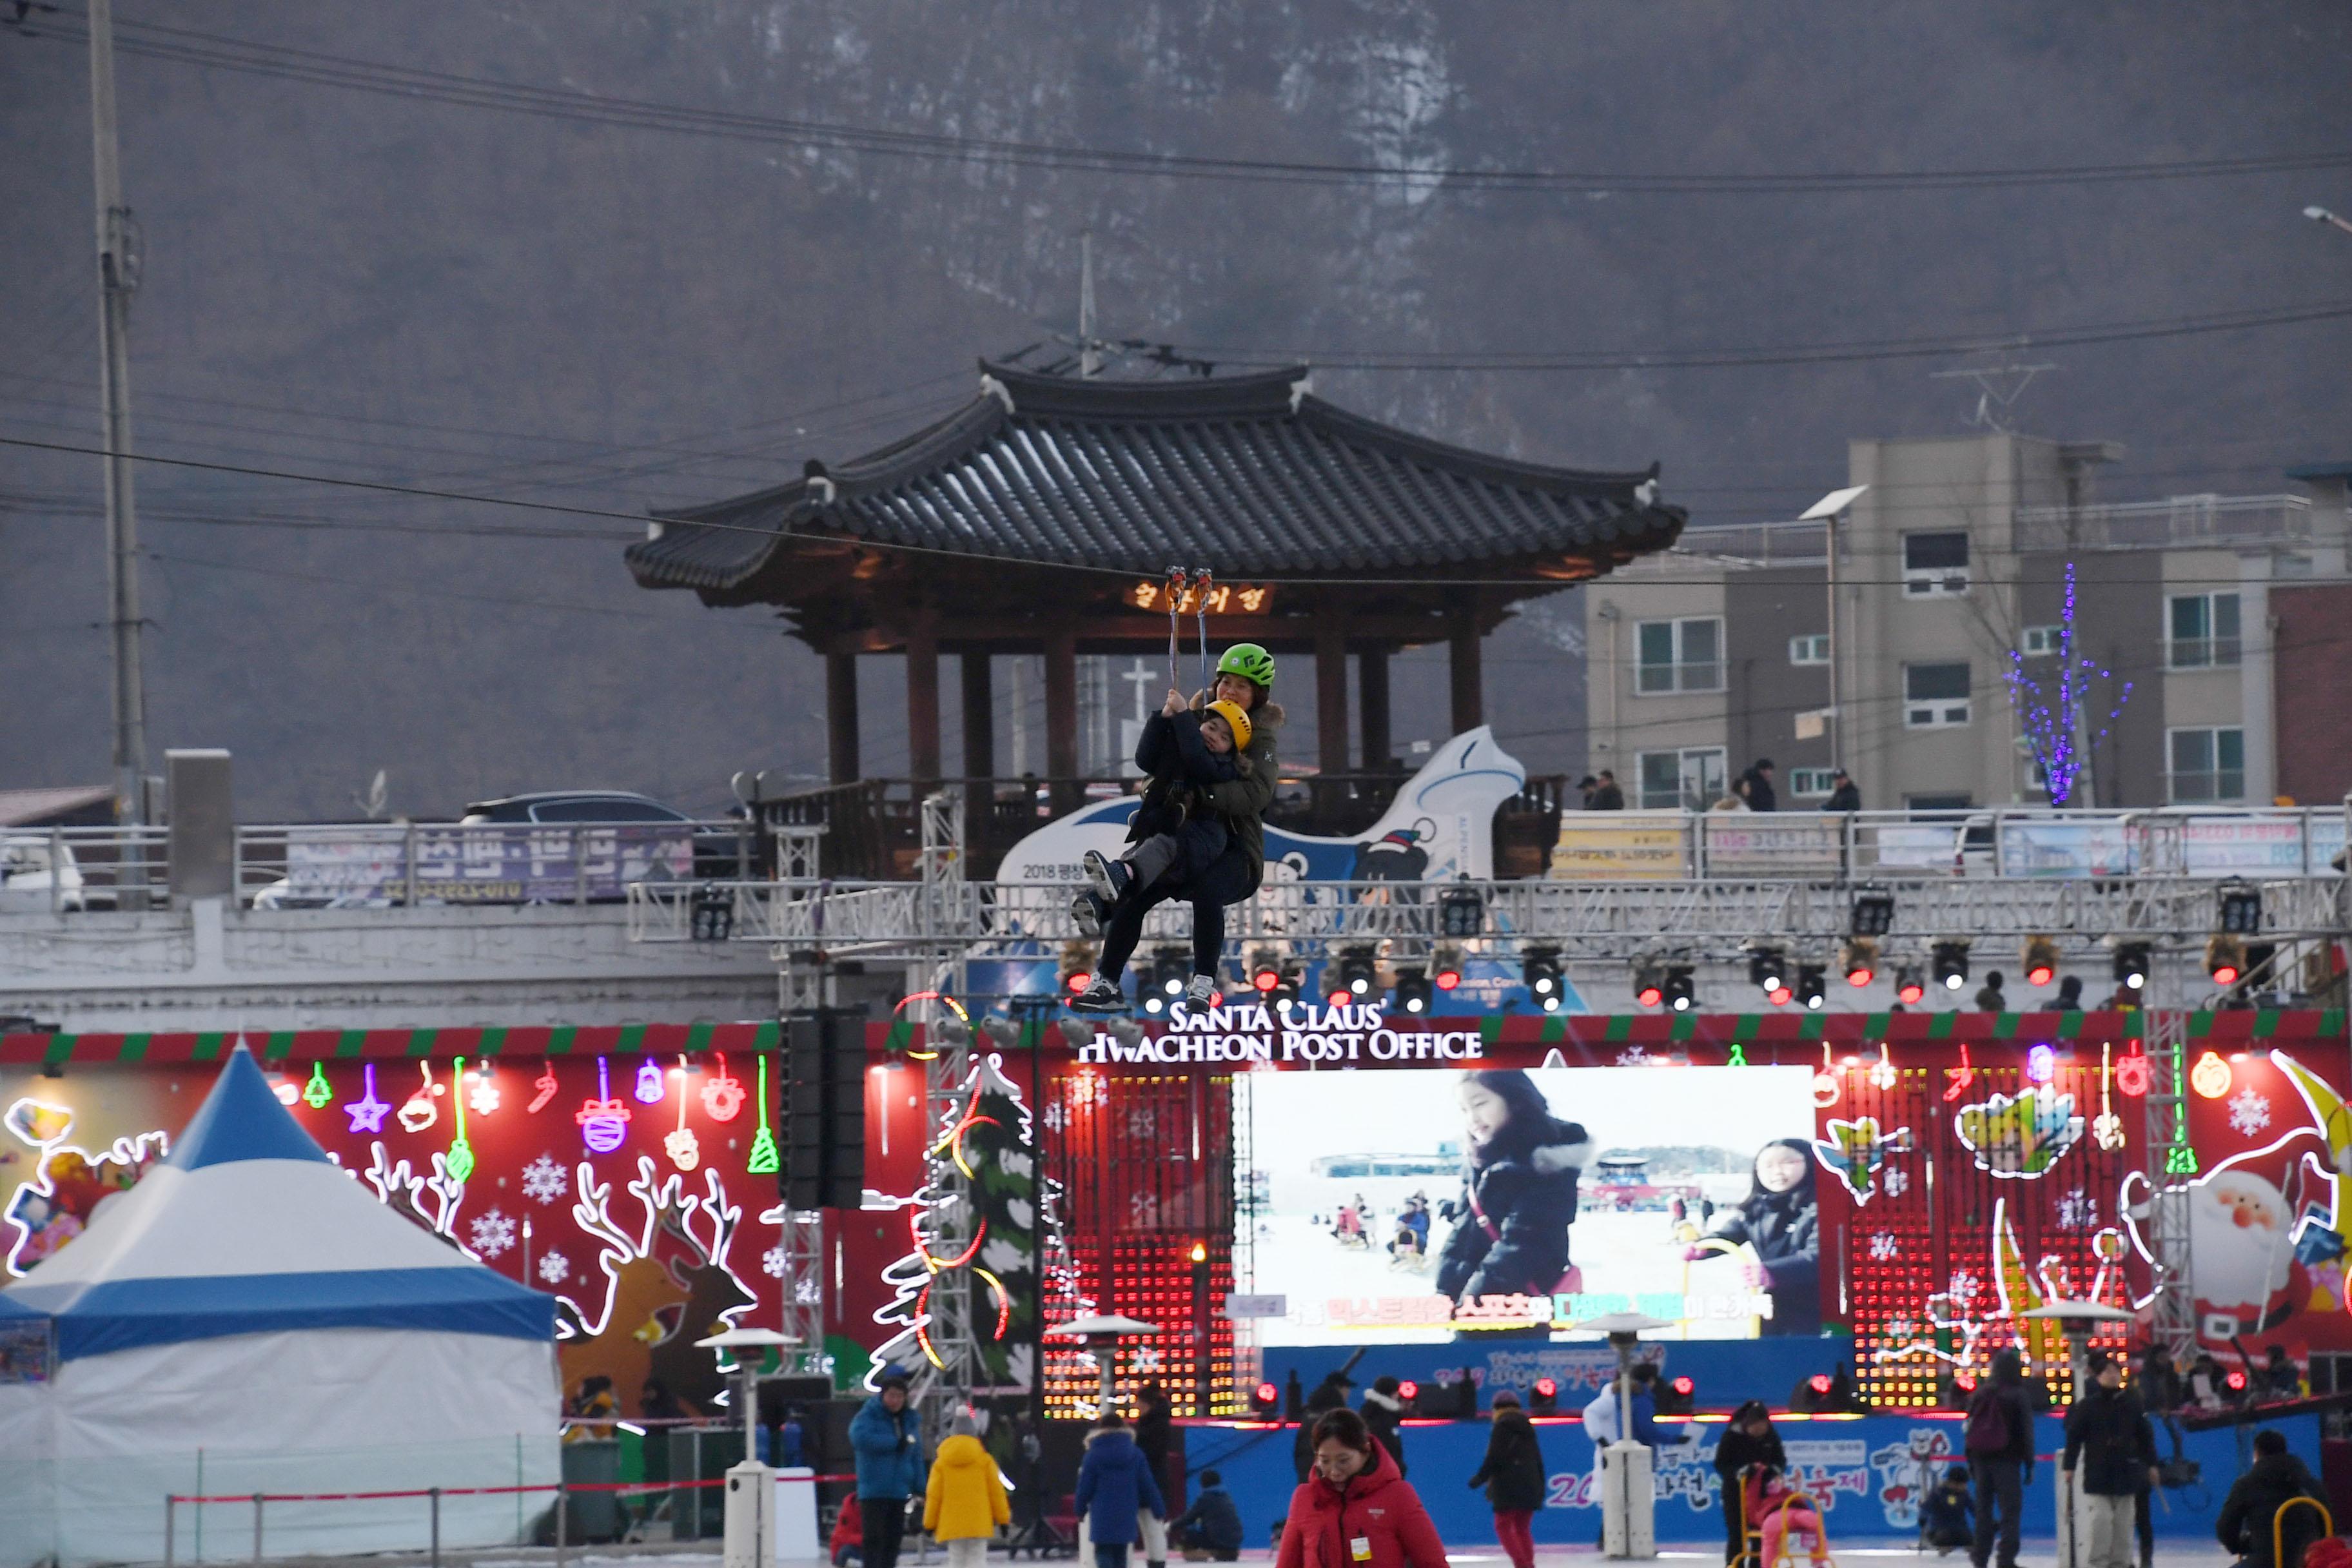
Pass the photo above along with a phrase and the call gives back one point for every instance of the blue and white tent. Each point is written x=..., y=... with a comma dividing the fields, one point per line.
x=250, y=1317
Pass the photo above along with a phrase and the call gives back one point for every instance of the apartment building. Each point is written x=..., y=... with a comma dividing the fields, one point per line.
x=2229, y=619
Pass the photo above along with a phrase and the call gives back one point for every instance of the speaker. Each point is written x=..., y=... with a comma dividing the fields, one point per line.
x=823, y=1110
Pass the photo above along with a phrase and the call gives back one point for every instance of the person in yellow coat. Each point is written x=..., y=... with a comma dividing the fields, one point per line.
x=965, y=1501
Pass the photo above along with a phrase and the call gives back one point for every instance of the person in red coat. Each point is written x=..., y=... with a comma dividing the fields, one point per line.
x=1355, y=1510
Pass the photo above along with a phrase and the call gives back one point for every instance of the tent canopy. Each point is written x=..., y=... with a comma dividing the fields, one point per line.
x=247, y=1228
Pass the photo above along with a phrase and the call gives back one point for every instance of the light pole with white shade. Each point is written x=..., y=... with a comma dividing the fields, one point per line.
x=1102, y=1334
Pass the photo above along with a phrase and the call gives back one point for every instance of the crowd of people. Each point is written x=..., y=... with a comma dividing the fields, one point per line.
x=1353, y=1507
x=1752, y=791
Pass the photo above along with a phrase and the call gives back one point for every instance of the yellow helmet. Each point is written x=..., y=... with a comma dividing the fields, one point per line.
x=1236, y=718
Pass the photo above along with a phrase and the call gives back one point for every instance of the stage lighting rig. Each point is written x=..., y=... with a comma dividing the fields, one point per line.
x=1680, y=988
x=1539, y=971
x=1910, y=989
x=1947, y=964
x=1359, y=968
x=2242, y=908
x=1858, y=961
x=2131, y=965
x=2225, y=959
x=1446, y=965
x=1768, y=969
x=1649, y=982
x=1873, y=913
x=2039, y=958
x=1413, y=991
x=1812, y=986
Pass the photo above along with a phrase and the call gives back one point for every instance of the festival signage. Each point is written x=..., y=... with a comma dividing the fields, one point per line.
x=1621, y=847
x=1769, y=844
x=1282, y=1033
x=483, y=865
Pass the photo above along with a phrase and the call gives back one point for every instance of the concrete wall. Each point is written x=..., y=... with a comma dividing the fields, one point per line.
x=208, y=967
x=2313, y=697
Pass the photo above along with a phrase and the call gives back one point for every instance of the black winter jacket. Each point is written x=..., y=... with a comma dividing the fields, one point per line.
x=1513, y=1471
x=2108, y=1434
x=1511, y=1224
x=1785, y=1230
x=1244, y=801
x=1737, y=1450
x=1183, y=773
x=2245, y=1525
x=1383, y=1417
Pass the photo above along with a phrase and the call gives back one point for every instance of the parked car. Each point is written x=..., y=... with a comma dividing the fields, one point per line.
x=716, y=851
x=31, y=882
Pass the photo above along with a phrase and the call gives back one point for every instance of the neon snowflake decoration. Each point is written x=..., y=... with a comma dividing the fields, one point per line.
x=2078, y=1210
x=493, y=1232
x=555, y=1268
x=2055, y=718
x=2250, y=1112
x=1882, y=1247
x=771, y=1263
x=544, y=1181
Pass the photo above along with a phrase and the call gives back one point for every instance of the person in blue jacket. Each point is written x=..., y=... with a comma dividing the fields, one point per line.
x=1213, y=1524
x=1115, y=1486
x=888, y=1438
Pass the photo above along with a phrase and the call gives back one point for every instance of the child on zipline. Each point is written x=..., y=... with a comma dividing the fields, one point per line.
x=1197, y=833
x=1177, y=828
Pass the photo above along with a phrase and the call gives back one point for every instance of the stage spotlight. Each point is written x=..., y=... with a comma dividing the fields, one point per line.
x=1461, y=911
x=1947, y=964
x=1409, y=1391
x=2225, y=959
x=1543, y=1399
x=1812, y=986
x=2039, y=958
x=1674, y=1396
x=1539, y=971
x=1858, y=961
x=1170, y=968
x=1264, y=969
x=1873, y=913
x=1265, y=1401
x=1445, y=969
x=1908, y=987
x=2242, y=908
x=1649, y=982
x=1768, y=969
x=2131, y=965
x=1413, y=991
x=1681, y=989
x=1077, y=966
x=1359, y=968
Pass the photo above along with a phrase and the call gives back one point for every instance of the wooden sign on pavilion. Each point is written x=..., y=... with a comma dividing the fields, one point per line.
x=1044, y=517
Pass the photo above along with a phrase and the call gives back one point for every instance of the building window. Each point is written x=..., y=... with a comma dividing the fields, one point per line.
x=1678, y=656
x=1935, y=696
x=1690, y=779
x=1814, y=650
x=1810, y=782
x=2206, y=764
x=1936, y=563
x=2201, y=631
x=2042, y=642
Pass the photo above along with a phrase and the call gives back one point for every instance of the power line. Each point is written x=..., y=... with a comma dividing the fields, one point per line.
x=219, y=51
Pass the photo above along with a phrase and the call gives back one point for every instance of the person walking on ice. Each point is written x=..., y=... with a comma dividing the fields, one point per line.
x=1210, y=851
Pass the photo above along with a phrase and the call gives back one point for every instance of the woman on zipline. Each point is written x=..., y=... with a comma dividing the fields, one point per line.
x=1118, y=901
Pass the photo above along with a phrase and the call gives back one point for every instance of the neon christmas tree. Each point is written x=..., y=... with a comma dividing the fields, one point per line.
x=2053, y=715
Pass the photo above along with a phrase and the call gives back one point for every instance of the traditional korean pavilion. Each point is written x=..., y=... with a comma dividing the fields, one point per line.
x=1043, y=516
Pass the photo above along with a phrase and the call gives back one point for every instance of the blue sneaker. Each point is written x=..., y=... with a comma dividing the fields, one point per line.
x=1087, y=912
x=1110, y=878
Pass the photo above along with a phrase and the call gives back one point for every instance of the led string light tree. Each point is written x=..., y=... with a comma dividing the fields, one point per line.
x=2054, y=713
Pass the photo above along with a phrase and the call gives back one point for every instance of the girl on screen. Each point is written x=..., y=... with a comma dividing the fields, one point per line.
x=1778, y=1219
x=1518, y=1190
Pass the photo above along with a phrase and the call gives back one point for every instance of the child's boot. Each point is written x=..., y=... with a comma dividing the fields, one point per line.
x=1087, y=912
x=1101, y=996
x=1199, y=993
x=1110, y=877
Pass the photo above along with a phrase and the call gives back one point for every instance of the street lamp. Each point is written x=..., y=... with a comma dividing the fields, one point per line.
x=1826, y=512
x=2321, y=215
x=1102, y=1334
x=739, y=1341
x=752, y=1521
x=1628, y=1486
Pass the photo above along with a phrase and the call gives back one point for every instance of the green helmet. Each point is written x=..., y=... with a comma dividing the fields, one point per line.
x=1249, y=661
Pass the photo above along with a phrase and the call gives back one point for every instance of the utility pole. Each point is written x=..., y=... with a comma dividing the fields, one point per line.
x=118, y=278
x=1090, y=358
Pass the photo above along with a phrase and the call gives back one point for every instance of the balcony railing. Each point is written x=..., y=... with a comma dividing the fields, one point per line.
x=2181, y=522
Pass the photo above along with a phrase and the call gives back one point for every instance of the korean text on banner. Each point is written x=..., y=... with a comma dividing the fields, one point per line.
x=1621, y=847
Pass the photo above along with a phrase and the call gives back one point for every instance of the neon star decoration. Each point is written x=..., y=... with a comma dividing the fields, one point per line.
x=367, y=1112
x=723, y=1095
x=604, y=1120
x=2055, y=720
x=460, y=1163
x=318, y=1093
x=763, y=1160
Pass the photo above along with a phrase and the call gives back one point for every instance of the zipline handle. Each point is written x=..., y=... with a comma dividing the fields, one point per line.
x=1175, y=598
x=1201, y=580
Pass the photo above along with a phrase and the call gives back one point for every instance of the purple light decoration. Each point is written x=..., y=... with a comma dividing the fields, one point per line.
x=650, y=1089
x=2041, y=1064
x=367, y=1112
x=603, y=1122
x=2051, y=715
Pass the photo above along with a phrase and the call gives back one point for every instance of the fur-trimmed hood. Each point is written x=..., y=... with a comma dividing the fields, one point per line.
x=1374, y=1396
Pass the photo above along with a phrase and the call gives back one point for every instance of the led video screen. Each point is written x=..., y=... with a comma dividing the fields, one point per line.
x=1418, y=1206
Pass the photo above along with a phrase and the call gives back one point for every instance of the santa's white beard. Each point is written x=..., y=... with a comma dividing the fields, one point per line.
x=2237, y=1268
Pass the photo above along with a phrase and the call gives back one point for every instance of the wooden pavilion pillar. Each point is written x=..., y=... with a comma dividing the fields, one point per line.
x=1331, y=689
x=923, y=703
x=979, y=741
x=1468, y=673
x=1373, y=702
x=841, y=716
x=1062, y=714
